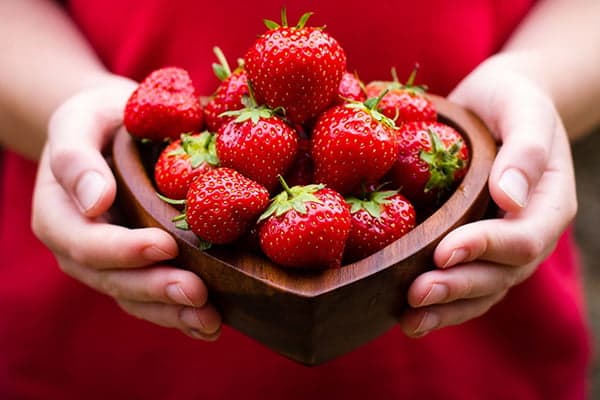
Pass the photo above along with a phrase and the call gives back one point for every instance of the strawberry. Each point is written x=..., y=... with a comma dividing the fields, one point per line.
x=378, y=219
x=163, y=106
x=182, y=161
x=298, y=68
x=403, y=102
x=301, y=172
x=305, y=227
x=258, y=144
x=351, y=88
x=432, y=159
x=353, y=144
x=222, y=205
x=229, y=93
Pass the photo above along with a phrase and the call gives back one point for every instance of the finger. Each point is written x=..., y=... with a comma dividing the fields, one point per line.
x=522, y=237
x=419, y=322
x=153, y=284
x=467, y=281
x=86, y=241
x=199, y=323
x=77, y=132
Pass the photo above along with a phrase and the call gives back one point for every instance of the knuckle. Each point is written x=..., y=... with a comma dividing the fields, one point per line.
x=531, y=247
x=536, y=153
x=467, y=288
x=130, y=309
x=507, y=281
x=109, y=286
x=38, y=227
x=78, y=255
x=61, y=157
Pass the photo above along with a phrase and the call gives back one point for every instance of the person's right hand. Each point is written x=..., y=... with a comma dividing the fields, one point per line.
x=73, y=192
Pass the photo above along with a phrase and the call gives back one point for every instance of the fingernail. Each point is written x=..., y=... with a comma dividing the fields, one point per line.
x=514, y=184
x=429, y=322
x=456, y=257
x=196, y=334
x=437, y=294
x=190, y=317
x=154, y=253
x=89, y=189
x=177, y=295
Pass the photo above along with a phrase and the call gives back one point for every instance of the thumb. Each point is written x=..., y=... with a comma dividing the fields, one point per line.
x=523, y=120
x=77, y=133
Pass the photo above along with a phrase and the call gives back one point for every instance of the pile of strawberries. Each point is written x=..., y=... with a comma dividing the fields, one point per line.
x=296, y=152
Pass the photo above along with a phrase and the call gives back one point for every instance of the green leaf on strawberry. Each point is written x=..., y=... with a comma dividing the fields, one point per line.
x=370, y=106
x=443, y=162
x=294, y=198
x=372, y=203
x=200, y=148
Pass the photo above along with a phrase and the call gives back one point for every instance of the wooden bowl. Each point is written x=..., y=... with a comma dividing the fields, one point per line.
x=313, y=317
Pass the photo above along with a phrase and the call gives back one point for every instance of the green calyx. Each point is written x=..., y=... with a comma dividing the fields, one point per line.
x=370, y=106
x=372, y=202
x=409, y=86
x=443, y=162
x=294, y=198
x=201, y=149
x=252, y=111
x=284, y=23
x=222, y=69
x=180, y=219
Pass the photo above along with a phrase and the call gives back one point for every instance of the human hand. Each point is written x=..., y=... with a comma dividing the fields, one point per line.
x=74, y=191
x=531, y=181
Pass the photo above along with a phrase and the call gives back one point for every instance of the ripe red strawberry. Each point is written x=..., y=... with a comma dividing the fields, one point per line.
x=222, y=205
x=164, y=106
x=229, y=93
x=403, y=102
x=305, y=227
x=258, y=144
x=353, y=144
x=298, y=68
x=432, y=159
x=378, y=219
x=182, y=161
x=351, y=88
x=302, y=170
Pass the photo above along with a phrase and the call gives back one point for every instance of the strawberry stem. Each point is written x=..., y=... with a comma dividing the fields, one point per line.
x=170, y=201
x=395, y=75
x=285, y=186
x=221, y=69
x=411, y=77
x=303, y=20
x=270, y=24
x=294, y=198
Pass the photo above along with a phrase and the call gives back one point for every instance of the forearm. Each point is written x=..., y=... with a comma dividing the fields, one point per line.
x=558, y=47
x=45, y=60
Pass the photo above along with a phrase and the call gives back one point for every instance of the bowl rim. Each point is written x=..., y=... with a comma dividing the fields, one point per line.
x=131, y=173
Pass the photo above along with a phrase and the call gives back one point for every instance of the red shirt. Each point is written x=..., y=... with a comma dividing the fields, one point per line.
x=60, y=339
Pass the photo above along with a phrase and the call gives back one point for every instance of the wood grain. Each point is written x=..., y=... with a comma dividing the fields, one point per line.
x=313, y=317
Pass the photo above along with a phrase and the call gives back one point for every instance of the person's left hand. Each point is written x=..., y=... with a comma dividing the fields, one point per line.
x=532, y=181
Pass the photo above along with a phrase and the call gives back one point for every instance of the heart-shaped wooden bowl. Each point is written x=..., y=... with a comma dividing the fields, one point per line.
x=316, y=316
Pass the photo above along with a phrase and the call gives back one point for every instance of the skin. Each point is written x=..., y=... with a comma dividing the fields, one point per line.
x=532, y=178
